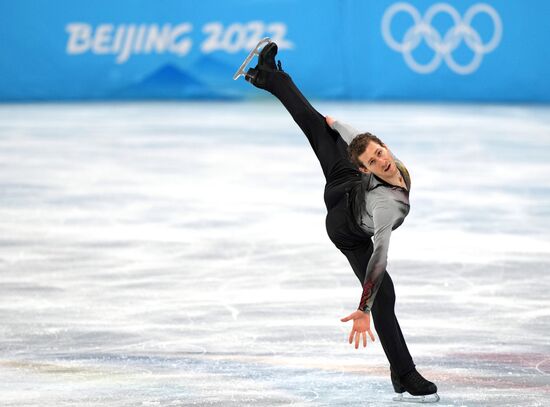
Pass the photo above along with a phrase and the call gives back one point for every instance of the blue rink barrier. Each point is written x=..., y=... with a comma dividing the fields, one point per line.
x=487, y=50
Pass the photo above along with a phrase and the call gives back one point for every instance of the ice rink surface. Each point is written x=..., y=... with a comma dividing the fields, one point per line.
x=174, y=254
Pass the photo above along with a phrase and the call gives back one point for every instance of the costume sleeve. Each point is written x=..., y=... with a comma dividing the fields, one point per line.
x=346, y=131
x=383, y=223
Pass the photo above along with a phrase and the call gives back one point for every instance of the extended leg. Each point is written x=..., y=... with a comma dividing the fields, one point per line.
x=329, y=147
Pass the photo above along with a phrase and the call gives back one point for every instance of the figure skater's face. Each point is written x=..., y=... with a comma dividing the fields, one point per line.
x=378, y=160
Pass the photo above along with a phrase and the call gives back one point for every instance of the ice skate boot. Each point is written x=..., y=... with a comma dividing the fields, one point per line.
x=420, y=389
x=241, y=71
x=264, y=69
x=397, y=386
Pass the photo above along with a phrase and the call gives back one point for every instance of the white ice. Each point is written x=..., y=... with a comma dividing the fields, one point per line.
x=174, y=254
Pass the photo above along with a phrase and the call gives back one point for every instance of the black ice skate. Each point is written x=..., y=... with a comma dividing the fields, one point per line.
x=260, y=74
x=420, y=389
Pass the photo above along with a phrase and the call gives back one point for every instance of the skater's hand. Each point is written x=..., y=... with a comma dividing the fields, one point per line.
x=361, y=325
x=329, y=120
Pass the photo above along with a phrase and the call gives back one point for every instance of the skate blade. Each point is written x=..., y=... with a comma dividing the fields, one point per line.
x=430, y=398
x=251, y=55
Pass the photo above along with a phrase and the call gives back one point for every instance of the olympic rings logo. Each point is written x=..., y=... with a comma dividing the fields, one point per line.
x=443, y=47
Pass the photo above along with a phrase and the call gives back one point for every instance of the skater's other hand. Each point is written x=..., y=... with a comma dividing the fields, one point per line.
x=361, y=325
x=329, y=120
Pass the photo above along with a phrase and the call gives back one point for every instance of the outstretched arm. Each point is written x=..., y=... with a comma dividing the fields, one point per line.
x=383, y=223
x=346, y=131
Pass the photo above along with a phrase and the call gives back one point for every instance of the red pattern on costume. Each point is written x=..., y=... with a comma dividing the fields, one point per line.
x=367, y=292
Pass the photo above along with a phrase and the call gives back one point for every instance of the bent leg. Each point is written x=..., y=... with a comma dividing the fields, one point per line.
x=329, y=147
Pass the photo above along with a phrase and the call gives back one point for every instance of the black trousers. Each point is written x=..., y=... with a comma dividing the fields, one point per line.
x=342, y=182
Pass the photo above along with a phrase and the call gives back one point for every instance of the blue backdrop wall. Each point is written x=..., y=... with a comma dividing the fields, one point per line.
x=492, y=50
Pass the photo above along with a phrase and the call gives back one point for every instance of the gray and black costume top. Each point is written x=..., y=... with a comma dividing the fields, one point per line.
x=379, y=209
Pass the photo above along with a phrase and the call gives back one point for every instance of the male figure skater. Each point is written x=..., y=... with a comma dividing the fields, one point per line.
x=367, y=197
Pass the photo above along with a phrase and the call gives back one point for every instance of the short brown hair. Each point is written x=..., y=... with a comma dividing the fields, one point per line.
x=358, y=146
